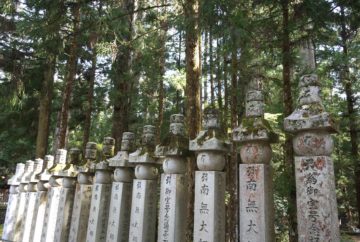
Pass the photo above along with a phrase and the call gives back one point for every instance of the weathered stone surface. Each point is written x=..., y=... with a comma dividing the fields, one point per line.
x=99, y=212
x=13, y=203
x=51, y=211
x=119, y=215
x=29, y=210
x=256, y=203
x=143, y=211
x=316, y=200
x=209, y=212
x=62, y=226
x=172, y=214
x=39, y=216
x=80, y=213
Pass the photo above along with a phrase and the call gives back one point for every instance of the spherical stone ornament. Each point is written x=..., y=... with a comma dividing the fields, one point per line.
x=210, y=161
x=174, y=165
x=84, y=178
x=313, y=143
x=123, y=174
x=177, y=129
x=69, y=182
x=146, y=172
x=256, y=153
x=103, y=177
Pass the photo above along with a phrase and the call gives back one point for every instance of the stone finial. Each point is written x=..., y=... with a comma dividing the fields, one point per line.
x=59, y=163
x=108, y=152
x=211, y=138
x=29, y=168
x=310, y=113
x=90, y=150
x=145, y=154
x=70, y=169
x=14, y=180
x=121, y=159
x=175, y=143
x=254, y=127
x=48, y=163
x=38, y=166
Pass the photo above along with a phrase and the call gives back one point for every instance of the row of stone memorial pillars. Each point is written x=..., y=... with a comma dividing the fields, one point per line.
x=115, y=199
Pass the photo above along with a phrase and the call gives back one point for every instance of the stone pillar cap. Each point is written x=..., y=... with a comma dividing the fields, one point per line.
x=59, y=163
x=310, y=113
x=70, y=169
x=29, y=168
x=108, y=147
x=121, y=159
x=14, y=180
x=38, y=166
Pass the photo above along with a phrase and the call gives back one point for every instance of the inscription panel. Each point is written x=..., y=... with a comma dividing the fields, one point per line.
x=99, y=213
x=119, y=215
x=30, y=207
x=143, y=211
x=209, y=212
x=24, y=199
x=10, y=218
x=316, y=199
x=51, y=214
x=80, y=214
x=39, y=216
x=172, y=214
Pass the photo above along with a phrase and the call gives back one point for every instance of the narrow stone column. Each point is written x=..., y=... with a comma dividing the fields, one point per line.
x=255, y=180
x=24, y=199
x=30, y=205
x=81, y=209
x=209, y=208
x=52, y=205
x=67, y=193
x=119, y=216
x=173, y=194
x=13, y=203
x=143, y=206
x=101, y=194
x=41, y=200
x=314, y=172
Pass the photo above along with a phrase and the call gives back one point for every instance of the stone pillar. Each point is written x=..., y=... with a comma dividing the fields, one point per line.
x=143, y=205
x=173, y=194
x=41, y=200
x=24, y=199
x=119, y=216
x=52, y=205
x=209, y=208
x=101, y=194
x=314, y=172
x=81, y=209
x=67, y=193
x=13, y=203
x=30, y=205
x=255, y=180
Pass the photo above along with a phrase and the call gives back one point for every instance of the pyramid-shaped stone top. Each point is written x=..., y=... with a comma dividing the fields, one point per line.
x=309, y=113
x=45, y=174
x=15, y=179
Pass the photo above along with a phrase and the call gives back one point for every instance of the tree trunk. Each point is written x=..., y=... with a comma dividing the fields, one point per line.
x=192, y=93
x=205, y=67
x=288, y=108
x=211, y=69
x=90, y=96
x=46, y=95
x=121, y=77
x=351, y=112
x=219, y=77
x=69, y=78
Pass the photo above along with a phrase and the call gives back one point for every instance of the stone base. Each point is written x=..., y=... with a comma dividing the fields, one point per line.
x=173, y=201
x=80, y=213
x=99, y=213
x=256, y=203
x=10, y=219
x=143, y=211
x=51, y=211
x=316, y=199
x=20, y=217
x=209, y=211
x=26, y=226
x=62, y=227
x=39, y=216
x=119, y=216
